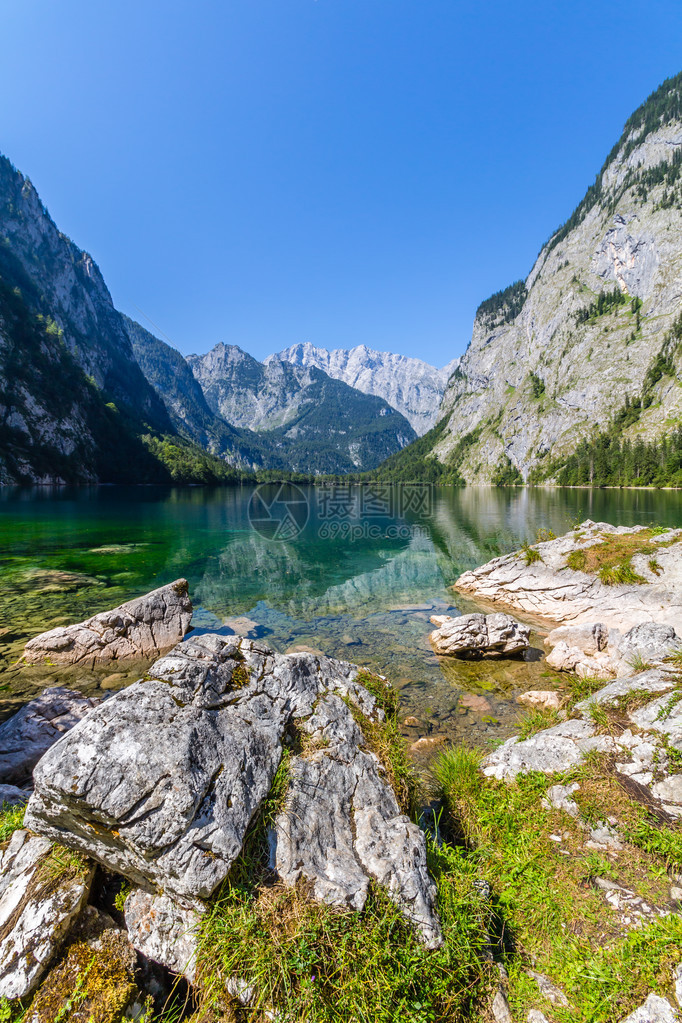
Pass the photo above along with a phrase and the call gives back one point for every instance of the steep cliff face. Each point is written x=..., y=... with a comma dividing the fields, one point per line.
x=555, y=356
x=68, y=286
x=301, y=415
x=73, y=400
x=411, y=386
x=172, y=379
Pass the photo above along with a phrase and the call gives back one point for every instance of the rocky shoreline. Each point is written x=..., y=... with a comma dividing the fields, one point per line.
x=231, y=772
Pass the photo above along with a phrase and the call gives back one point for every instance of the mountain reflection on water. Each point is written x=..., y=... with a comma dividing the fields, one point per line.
x=359, y=581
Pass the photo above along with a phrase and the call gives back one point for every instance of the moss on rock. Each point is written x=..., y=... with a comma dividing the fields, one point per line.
x=93, y=983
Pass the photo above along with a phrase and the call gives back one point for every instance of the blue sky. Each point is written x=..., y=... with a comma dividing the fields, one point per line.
x=263, y=172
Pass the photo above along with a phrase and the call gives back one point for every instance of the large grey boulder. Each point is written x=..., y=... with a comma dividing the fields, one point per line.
x=35, y=912
x=164, y=930
x=32, y=730
x=478, y=634
x=140, y=628
x=341, y=824
x=161, y=781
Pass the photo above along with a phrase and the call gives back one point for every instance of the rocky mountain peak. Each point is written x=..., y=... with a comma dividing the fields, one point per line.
x=410, y=385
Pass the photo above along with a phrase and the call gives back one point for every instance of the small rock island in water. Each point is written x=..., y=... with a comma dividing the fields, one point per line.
x=240, y=834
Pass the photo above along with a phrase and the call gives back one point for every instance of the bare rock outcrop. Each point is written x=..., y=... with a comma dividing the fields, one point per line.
x=550, y=589
x=642, y=752
x=36, y=910
x=476, y=635
x=140, y=628
x=29, y=733
x=593, y=650
x=341, y=824
x=160, y=782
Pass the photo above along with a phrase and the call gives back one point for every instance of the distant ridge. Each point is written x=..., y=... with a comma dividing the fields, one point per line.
x=411, y=386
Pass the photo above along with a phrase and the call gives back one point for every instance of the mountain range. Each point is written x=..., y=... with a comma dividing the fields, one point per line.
x=87, y=394
x=411, y=386
x=571, y=376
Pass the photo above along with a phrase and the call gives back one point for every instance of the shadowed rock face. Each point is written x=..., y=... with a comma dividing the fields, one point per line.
x=160, y=782
x=33, y=729
x=145, y=627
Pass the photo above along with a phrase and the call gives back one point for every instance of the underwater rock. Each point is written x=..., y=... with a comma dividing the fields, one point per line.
x=477, y=634
x=32, y=730
x=547, y=698
x=161, y=781
x=144, y=627
x=36, y=910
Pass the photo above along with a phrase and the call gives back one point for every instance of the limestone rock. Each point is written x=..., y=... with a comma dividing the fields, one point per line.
x=554, y=749
x=164, y=930
x=141, y=628
x=677, y=981
x=476, y=634
x=535, y=1016
x=653, y=681
x=592, y=650
x=649, y=642
x=551, y=992
x=341, y=825
x=161, y=781
x=500, y=1008
x=554, y=592
x=32, y=730
x=654, y=1010
x=547, y=698
x=35, y=913
x=560, y=797
x=633, y=909
x=669, y=790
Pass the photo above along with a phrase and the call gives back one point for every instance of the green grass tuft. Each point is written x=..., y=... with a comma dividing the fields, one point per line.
x=11, y=819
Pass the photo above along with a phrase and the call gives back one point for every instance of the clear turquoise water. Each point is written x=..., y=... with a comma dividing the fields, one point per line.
x=357, y=582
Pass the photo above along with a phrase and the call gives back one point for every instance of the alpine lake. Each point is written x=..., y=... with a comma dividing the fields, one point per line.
x=352, y=571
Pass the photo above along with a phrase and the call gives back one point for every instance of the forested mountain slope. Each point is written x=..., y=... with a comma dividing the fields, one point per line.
x=582, y=360
x=171, y=377
x=74, y=404
x=303, y=417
